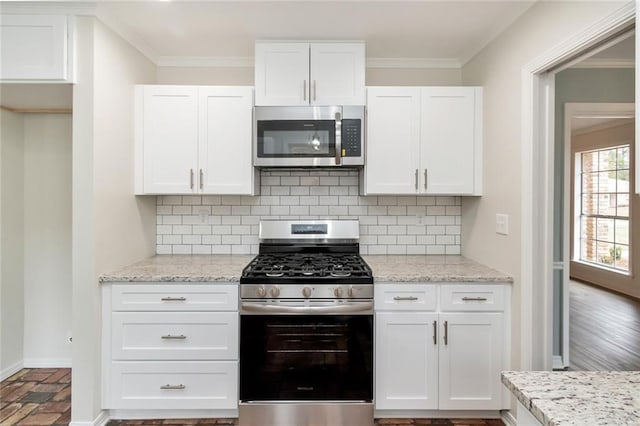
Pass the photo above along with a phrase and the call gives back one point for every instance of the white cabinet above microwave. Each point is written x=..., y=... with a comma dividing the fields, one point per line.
x=301, y=73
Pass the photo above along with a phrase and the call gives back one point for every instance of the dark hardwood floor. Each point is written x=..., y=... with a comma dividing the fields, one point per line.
x=604, y=329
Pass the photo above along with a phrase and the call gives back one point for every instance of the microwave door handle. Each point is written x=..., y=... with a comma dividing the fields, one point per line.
x=338, y=138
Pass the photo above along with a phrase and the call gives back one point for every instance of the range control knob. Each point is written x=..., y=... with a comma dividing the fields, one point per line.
x=337, y=291
x=351, y=292
x=306, y=292
x=275, y=291
x=261, y=291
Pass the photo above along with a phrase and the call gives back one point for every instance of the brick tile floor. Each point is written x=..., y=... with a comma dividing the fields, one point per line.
x=39, y=397
x=42, y=397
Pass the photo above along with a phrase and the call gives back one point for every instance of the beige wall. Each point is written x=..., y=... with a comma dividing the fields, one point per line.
x=111, y=227
x=47, y=239
x=622, y=283
x=498, y=68
x=11, y=241
x=244, y=76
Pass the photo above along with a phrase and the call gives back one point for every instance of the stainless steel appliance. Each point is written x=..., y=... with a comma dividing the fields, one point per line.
x=306, y=327
x=308, y=136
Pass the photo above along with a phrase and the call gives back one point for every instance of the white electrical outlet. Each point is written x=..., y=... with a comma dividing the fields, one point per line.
x=502, y=224
x=69, y=337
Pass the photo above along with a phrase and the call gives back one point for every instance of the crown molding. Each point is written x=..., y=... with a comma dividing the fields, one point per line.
x=84, y=8
x=206, y=61
x=413, y=63
x=130, y=37
x=606, y=63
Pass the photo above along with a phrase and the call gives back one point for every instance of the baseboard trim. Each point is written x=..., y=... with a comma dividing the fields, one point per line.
x=171, y=414
x=11, y=370
x=47, y=363
x=508, y=419
x=557, y=363
x=437, y=414
x=101, y=420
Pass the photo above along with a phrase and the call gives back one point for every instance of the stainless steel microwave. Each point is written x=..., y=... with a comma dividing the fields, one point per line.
x=308, y=136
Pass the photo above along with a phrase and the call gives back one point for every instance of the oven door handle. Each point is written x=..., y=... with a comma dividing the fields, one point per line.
x=343, y=308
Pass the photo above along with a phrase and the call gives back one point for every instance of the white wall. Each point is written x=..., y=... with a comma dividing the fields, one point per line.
x=498, y=68
x=245, y=76
x=47, y=239
x=111, y=227
x=11, y=242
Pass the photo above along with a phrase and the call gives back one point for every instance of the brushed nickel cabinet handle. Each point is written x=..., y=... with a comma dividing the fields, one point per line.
x=201, y=179
x=177, y=387
x=446, y=332
x=191, y=179
x=399, y=298
x=425, y=179
x=479, y=299
x=315, y=90
x=173, y=299
x=172, y=337
x=416, y=179
x=435, y=332
x=304, y=90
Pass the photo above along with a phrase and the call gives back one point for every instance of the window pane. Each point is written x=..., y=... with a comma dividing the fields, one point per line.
x=607, y=159
x=606, y=206
x=622, y=231
x=589, y=204
x=588, y=228
x=589, y=183
x=623, y=157
x=622, y=201
x=588, y=250
x=605, y=253
x=622, y=257
x=606, y=182
x=605, y=230
x=590, y=161
x=622, y=184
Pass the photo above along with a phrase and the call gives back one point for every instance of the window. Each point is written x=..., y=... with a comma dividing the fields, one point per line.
x=603, y=179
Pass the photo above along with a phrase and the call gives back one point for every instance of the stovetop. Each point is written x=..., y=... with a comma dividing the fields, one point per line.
x=303, y=268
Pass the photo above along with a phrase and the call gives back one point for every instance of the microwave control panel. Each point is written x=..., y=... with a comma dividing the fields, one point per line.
x=351, y=138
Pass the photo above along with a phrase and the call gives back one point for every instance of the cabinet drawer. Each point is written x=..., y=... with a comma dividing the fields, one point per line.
x=472, y=297
x=174, y=385
x=410, y=297
x=174, y=297
x=174, y=336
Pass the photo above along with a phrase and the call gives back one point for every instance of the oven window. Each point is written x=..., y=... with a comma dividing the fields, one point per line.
x=296, y=138
x=291, y=358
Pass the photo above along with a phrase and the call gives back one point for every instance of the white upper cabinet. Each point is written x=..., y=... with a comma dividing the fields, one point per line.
x=309, y=73
x=194, y=140
x=424, y=140
x=170, y=139
x=393, y=140
x=225, y=140
x=35, y=48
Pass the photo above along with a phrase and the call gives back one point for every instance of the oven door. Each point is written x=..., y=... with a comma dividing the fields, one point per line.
x=306, y=357
x=297, y=136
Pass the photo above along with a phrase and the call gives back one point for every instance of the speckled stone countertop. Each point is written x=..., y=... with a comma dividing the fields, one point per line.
x=432, y=268
x=219, y=268
x=584, y=398
x=182, y=268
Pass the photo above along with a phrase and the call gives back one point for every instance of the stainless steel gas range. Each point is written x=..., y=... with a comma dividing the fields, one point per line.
x=306, y=327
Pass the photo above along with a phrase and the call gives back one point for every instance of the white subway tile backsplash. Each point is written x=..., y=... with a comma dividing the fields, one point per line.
x=228, y=224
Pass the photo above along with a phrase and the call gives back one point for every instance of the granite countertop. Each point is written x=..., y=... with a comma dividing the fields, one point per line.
x=182, y=268
x=584, y=398
x=431, y=268
x=219, y=268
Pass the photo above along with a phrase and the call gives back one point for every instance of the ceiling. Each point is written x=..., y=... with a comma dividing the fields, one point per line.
x=443, y=32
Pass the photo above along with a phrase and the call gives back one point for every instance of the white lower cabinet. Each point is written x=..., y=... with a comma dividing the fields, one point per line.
x=440, y=346
x=170, y=347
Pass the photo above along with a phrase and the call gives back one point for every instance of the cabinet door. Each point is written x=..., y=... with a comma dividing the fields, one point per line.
x=337, y=74
x=393, y=140
x=471, y=361
x=282, y=74
x=448, y=142
x=225, y=140
x=406, y=361
x=34, y=47
x=170, y=139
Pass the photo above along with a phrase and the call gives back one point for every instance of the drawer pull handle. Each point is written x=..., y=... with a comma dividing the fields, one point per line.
x=173, y=299
x=478, y=299
x=446, y=332
x=435, y=332
x=171, y=337
x=173, y=387
x=399, y=298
